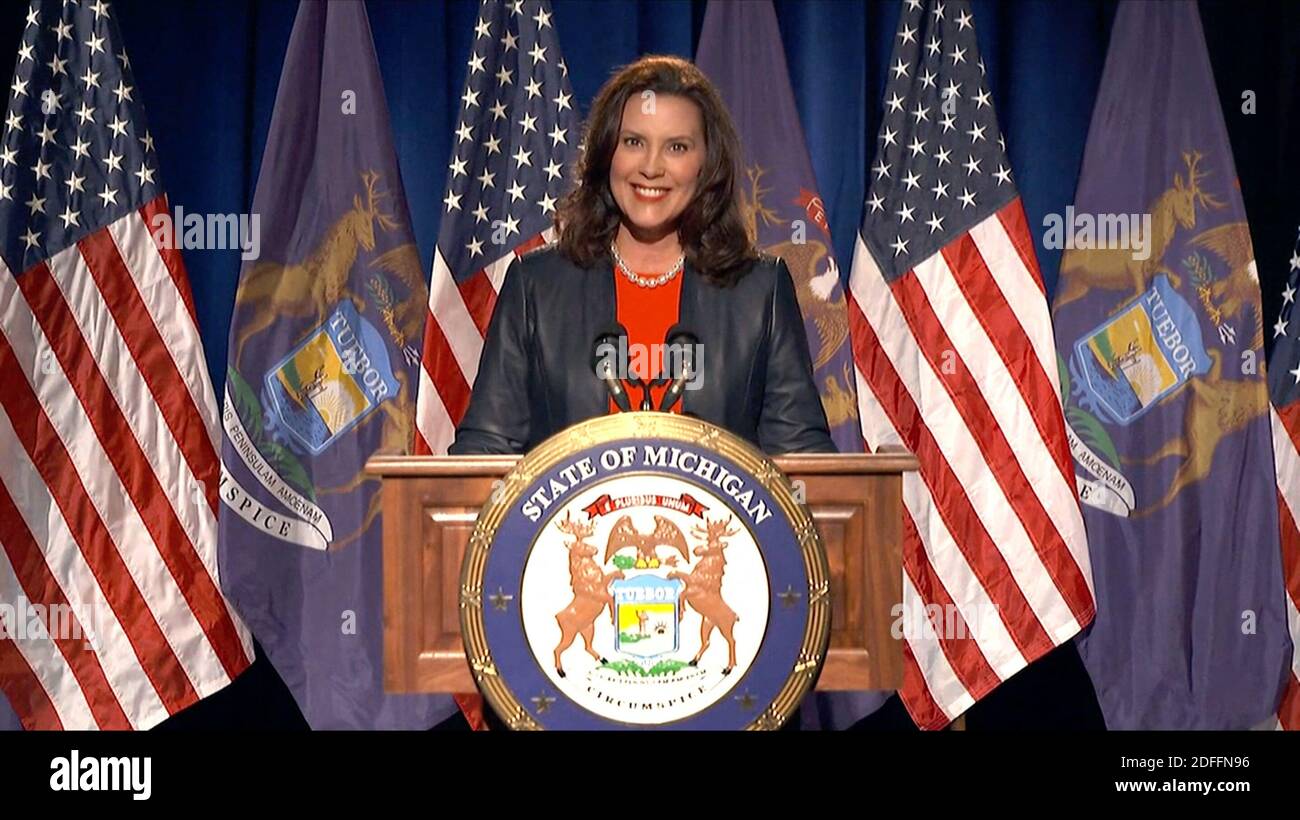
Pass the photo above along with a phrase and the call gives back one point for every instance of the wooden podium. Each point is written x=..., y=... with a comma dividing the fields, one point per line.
x=430, y=504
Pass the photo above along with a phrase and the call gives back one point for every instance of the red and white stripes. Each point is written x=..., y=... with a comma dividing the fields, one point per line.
x=108, y=487
x=454, y=330
x=956, y=361
x=1286, y=434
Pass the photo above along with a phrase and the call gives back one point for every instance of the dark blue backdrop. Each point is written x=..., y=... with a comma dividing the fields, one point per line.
x=208, y=70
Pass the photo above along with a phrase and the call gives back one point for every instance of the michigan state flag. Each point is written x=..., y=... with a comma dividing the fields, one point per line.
x=740, y=50
x=1160, y=343
x=323, y=365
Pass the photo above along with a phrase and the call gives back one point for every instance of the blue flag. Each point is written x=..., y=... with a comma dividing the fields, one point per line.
x=1159, y=334
x=740, y=50
x=322, y=375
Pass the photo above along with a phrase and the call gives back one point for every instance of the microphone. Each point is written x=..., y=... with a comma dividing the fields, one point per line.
x=682, y=341
x=604, y=350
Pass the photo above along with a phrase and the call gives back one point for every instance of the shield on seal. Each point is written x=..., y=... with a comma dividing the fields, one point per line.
x=647, y=609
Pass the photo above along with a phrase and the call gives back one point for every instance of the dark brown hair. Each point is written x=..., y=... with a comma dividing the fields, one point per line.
x=711, y=229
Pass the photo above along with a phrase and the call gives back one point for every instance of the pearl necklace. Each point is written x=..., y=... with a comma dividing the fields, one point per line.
x=645, y=281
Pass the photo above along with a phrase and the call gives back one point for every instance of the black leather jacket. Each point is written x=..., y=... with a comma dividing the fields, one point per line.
x=535, y=376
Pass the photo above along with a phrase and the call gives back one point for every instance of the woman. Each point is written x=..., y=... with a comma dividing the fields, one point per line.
x=651, y=237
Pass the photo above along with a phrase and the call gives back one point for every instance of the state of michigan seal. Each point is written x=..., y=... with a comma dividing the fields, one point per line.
x=645, y=570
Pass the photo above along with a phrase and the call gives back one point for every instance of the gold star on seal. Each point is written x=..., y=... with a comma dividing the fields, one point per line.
x=542, y=703
x=789, y=598
x=500, y=600
x=746, y=701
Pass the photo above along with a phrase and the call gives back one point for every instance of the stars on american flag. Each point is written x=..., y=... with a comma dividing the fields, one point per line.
x=515, y=136
x=75, y=153
x=504, y=183
x=1286, y=340
x=939, y=152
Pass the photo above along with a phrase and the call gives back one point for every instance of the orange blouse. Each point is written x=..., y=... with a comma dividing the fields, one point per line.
x=648, y=314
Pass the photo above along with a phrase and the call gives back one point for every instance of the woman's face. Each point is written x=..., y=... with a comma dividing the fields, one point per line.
x=656, y=166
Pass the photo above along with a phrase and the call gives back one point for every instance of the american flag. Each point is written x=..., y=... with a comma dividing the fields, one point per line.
x=518, y=129
x=108, y=473
x=955, y=359
x=1284, y=391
